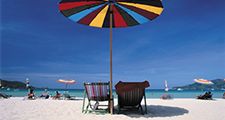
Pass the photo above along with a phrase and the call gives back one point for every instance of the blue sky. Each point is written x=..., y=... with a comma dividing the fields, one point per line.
x=186, y=42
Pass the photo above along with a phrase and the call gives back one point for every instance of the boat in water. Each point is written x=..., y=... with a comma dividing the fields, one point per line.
x=166, y=96
x=180, y=89
x=166, y=86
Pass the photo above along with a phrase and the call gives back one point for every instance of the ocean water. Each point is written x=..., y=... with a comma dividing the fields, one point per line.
x=150, y=93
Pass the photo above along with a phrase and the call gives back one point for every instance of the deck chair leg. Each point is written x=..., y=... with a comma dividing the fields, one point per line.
x=108, y=106
x=84, y=101
x=145, y=104
x=119, y=109
x=89, y=104
x=141, y=109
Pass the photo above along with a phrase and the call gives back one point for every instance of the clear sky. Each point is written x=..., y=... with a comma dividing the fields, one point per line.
x=186, y=42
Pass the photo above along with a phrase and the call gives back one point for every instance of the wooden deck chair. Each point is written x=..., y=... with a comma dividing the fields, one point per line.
x=96, y=92
x=130, y=95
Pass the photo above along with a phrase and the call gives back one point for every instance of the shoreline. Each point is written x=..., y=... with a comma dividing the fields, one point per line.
x=149, y=93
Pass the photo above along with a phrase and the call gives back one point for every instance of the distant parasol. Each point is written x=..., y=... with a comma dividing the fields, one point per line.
x=66, y=82
x=204, y=81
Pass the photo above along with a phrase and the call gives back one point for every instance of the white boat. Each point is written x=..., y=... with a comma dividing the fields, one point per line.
x=166, y=86
x=179, y=89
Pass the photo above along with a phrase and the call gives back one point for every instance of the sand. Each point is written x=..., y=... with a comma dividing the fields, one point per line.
x=176, y=109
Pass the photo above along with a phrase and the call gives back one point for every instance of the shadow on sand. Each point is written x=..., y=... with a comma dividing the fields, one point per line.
x=157, y=111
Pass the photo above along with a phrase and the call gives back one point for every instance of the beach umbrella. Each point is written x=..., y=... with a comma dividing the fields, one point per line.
x=66, y=82
x=111, y=14
x=203, y=81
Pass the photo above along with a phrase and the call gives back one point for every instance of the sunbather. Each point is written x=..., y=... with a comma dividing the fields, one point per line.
x=206, y=96
x=45, y=94
x=166, y=96
x=57, y=96
x=31, y=95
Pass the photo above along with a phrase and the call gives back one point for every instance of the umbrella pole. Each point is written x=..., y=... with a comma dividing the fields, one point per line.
x=111, y=96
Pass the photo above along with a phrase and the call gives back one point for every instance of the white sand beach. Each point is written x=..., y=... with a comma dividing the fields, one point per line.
x=176, y=109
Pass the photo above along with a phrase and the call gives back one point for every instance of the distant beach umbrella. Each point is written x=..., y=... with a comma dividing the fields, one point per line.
x=111, y=14
x=203, y=81
x=66, y=82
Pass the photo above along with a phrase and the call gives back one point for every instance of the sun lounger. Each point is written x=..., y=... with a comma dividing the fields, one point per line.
x=130, y=95
x=67, y=96
x=96, y=92
x=3, y=95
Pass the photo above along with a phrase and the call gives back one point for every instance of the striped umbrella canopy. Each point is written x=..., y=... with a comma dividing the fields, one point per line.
x=111, y=14
x=203, y=81
x=125, y=13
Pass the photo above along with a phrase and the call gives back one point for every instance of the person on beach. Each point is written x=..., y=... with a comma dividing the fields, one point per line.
x=57, y=96
x=45, y=94
x=166, y=97
x=224, y=95
x=31, y=95
x=206, y=96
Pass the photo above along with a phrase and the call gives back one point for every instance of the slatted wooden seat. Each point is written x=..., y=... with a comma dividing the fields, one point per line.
x=130, y=95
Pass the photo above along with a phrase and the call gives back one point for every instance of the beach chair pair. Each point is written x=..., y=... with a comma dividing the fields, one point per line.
x=130, y=95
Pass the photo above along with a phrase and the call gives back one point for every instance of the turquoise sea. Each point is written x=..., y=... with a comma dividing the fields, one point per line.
x=150, y=93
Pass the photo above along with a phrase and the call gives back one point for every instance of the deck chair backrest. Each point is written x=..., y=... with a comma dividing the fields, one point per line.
x=132, y=97
x=131, y=93
x=97, y=91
